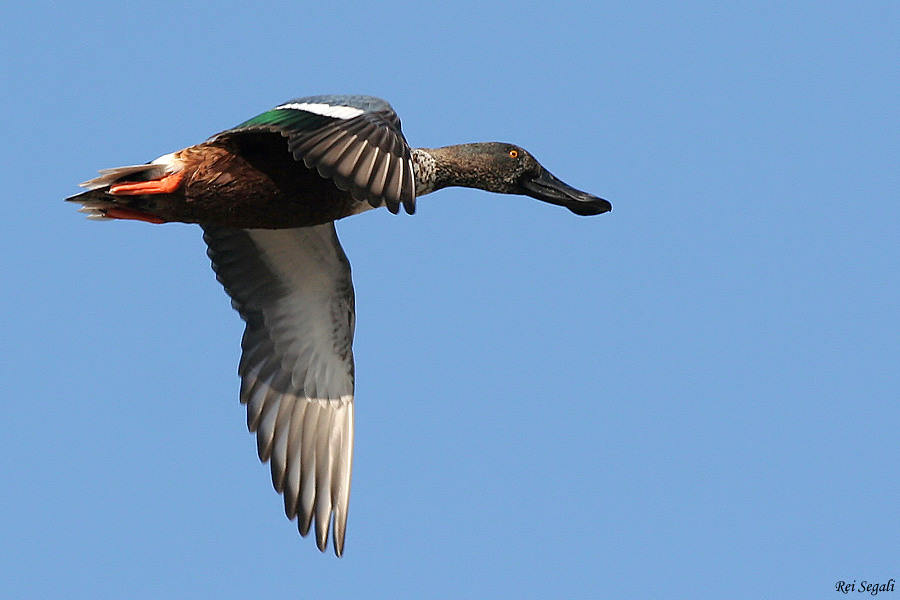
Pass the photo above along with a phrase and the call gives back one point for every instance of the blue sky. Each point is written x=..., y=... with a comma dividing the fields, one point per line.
x=695, y=395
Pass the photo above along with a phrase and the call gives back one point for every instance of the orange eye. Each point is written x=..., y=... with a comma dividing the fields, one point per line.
x=514, y=153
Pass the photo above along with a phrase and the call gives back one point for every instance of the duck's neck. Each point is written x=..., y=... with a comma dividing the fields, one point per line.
x=436, y=168
x=424, y=170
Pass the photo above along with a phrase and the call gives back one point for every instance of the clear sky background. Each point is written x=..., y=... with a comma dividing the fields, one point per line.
x=694, y=396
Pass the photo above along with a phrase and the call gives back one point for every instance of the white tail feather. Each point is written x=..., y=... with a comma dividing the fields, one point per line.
x=167, y=163
x=110, y=176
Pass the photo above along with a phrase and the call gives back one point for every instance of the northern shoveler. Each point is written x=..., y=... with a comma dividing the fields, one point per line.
x=267, y=193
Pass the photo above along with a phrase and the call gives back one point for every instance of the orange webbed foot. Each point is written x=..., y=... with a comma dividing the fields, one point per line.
x=133, y=215
x=164, y=185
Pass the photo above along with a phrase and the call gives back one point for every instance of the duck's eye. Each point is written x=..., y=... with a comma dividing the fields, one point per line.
x=514, y=153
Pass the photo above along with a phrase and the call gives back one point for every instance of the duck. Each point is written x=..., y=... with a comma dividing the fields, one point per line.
x=266, y=194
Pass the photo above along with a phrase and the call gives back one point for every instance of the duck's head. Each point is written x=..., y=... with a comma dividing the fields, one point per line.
x=509, y=169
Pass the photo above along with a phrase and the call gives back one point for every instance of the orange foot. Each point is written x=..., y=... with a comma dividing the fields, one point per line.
x=134, y=215
x=164, y=185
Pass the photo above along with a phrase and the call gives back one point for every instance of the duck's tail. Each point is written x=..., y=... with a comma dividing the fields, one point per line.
x=127, y=192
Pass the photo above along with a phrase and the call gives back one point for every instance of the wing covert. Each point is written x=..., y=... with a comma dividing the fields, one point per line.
x=354, y=140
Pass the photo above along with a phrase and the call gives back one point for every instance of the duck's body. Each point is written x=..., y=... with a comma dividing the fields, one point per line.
x=266, y=194
x=249, y=181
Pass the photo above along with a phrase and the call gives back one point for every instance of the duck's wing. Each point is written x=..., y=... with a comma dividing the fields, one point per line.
x=354, y=140
x=293, y=289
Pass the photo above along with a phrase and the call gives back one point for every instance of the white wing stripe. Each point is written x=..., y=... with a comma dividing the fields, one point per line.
x=326, y=110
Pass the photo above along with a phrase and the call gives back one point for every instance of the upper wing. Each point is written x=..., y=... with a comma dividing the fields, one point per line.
x=293, y=289
x=354, y=140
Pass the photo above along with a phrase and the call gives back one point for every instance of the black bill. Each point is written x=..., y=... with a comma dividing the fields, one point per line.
x=548, y=188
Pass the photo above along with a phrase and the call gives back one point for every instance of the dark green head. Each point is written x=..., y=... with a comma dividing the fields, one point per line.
x=509, y=169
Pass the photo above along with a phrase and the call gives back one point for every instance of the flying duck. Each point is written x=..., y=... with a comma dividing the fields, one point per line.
x=266, y=194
